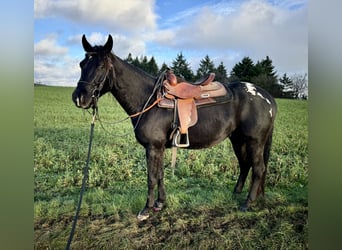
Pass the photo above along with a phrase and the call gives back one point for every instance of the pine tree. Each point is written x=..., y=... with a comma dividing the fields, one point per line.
x=136, y=62
x=262, y=74
x=163, y=68
x=129, y=58
x=206, y=66
x=221, y=73
x=244, y=70
x=152, y=67
x=265, y=67
x=182, y=68
x=287, y=86
x=144, y=63
x=266, y=77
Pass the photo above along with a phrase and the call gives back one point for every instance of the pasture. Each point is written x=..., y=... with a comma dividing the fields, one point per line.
x=201, y=211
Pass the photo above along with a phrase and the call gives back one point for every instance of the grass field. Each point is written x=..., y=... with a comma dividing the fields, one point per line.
x=201, y=211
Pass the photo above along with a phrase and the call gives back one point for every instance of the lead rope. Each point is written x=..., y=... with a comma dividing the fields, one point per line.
x=85, y=174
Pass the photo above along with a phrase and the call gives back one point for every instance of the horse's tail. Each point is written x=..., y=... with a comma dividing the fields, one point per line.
x=267, y=150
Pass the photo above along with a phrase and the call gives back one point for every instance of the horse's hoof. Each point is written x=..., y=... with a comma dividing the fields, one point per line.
x=158, y=206
x=244, y=207
x=143, y=215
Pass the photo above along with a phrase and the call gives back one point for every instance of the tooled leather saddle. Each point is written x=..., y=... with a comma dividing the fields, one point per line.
x=185, y=97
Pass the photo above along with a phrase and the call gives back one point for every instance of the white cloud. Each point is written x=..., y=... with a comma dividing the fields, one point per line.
x=122, y=45
x=53, y=66
x=63, y=71
x=256, y=28
x=165, y=37
x=49, y=46
x=226, y=31
x=131, y=15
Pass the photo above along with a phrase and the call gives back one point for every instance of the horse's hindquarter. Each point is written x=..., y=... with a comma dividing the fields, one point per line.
x=257, y=108
x=251, y=111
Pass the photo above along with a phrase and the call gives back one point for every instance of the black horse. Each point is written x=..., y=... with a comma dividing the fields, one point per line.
x=247, y=120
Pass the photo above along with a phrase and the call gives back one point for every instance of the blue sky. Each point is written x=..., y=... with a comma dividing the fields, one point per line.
x=227, y=31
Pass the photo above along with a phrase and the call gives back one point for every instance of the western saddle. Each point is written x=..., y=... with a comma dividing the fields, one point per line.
x=184, y=97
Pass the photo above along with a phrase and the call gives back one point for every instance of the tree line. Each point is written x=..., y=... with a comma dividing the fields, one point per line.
x=261, y=73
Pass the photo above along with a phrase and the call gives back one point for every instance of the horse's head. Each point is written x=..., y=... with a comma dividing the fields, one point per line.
x=96, y=70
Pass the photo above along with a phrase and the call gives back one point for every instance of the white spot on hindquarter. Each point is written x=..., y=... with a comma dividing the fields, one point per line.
x=270, y=112
x=262, y=97
x=250, y=88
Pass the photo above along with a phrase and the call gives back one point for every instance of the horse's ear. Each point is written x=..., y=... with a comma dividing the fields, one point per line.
x=109, y=44
x=86, y=45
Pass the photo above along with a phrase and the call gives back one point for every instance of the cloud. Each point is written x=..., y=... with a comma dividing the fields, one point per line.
x=58, y=72
x=256, y=28
x=49, y=46
x=128, y=15
x=122, y=44
x=225, y=30
x=52, y=63
x=54, y=66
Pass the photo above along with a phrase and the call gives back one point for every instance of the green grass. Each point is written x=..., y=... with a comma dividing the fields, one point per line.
x=201, y=211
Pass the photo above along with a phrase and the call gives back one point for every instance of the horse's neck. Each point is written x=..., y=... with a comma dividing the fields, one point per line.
x=132, y=87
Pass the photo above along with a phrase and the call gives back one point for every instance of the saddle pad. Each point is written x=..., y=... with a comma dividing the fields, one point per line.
x=169, y=102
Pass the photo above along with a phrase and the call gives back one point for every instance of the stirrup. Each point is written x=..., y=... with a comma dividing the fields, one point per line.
x=181, y=140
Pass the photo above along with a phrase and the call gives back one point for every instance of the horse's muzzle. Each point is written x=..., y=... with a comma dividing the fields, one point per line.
x=81, y=101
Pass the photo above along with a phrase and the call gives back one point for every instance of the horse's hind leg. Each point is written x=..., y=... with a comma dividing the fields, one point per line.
x=256, y=151
x=240, y=149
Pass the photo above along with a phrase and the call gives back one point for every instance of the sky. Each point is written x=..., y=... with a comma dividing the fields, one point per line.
x=225, y=30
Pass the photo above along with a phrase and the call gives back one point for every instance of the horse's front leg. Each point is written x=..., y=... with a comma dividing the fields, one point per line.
x=155, y=175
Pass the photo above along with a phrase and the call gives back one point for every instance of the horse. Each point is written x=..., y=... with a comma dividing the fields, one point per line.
x=247, y=120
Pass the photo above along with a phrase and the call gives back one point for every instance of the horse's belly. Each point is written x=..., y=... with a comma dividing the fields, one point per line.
x=207, y=136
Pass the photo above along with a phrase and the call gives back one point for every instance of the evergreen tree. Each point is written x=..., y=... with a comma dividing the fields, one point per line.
x=182, y=68
x=129, y=58
x=144, y=63
x=152, y=67
x=221, y=73
x=262, y=74
x=287, y=86
x=163, y=68
x=265, y=67
x=136, y=62
x=266, y=77
x=244, y=70
x=206, y=66
x=268, y=83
